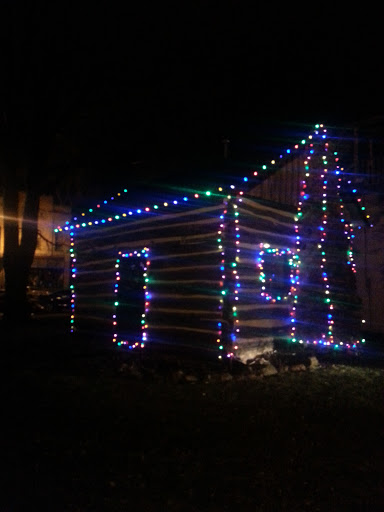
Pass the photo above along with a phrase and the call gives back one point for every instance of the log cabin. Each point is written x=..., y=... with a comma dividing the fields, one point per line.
x=229, y=270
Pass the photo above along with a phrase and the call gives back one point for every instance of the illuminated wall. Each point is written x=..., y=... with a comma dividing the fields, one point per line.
x=326, y=306
x=231, y=269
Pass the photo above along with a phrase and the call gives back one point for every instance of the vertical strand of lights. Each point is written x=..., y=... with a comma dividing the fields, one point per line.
x=305, y=195
x=322, y=183
x=223, y=241
x=327, y=338
x=260, y=267
x=147, y=298
x=229, y=276
x=236, y=277
x=72, y=285
x=292, y=274
x=220, y=245
x=117, y=338
x=116, y=303
x=296, y=262
x=348, y=232
x=348, y=228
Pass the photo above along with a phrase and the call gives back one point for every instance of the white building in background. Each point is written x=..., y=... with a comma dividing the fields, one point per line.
x=50, y=268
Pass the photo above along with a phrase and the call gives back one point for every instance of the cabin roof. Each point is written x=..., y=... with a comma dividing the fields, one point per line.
x=154, y=200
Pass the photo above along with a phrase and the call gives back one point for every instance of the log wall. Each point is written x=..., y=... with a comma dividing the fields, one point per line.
x=183, y=275
x=263, y=315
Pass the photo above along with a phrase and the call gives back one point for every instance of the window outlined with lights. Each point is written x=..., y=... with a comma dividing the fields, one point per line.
x=131, y=303
x=275, y=266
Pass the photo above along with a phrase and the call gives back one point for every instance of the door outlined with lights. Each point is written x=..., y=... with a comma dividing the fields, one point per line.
x=131, y=299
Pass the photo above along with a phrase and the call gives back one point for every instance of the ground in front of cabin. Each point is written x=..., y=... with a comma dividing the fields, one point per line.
x=98, y=432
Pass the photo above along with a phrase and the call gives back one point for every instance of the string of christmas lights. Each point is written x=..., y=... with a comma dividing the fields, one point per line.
x=72, y=286
x=201, y=195
x=221, y=248
x=229, y=267
x=275, y=252
x=230, y=283
x=326, y=336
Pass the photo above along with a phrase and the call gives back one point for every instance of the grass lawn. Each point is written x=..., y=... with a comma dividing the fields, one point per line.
x=81, y=435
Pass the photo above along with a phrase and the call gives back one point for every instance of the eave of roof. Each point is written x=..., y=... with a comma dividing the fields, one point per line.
x=115, y=208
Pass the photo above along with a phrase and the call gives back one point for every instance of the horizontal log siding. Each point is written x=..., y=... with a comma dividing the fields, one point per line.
x=184, y=274
x=260, y=321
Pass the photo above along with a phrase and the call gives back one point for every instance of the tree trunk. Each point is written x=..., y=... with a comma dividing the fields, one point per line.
x=18, y=253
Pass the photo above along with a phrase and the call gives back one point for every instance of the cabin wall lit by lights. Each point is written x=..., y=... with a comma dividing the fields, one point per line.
x=266, y=272
x=189, y=275
x=151, y=278
x=328, y=298
x=229, y=271
x=363, y=162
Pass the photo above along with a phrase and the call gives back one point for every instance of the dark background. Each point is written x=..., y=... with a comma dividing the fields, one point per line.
x=146, y=92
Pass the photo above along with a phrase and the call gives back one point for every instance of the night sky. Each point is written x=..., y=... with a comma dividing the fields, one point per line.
x=148, y=92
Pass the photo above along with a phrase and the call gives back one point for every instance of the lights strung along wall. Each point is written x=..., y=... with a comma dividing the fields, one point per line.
x=184, y=264
x=133, y=215
x=229, y=237
x=96, y=217
x=322, y=185
x=100, y=220
x=230, y=279
x=235, y=271
x=221, y=247
x=266, y=231
x=72, y=285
